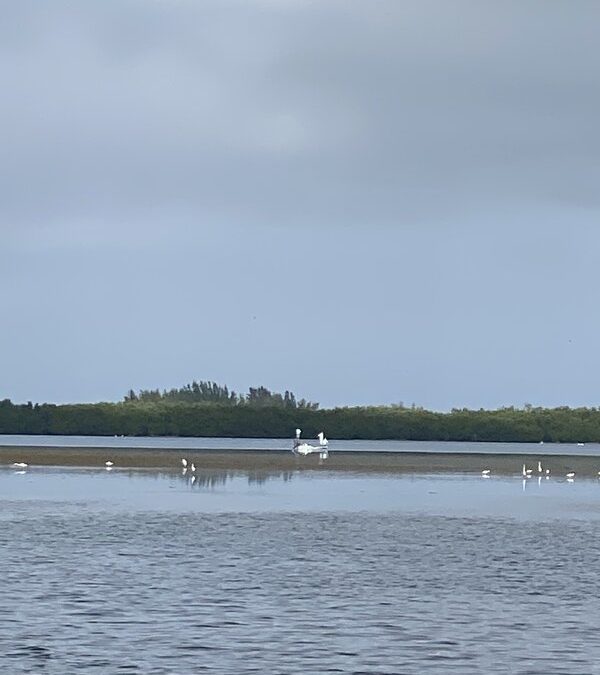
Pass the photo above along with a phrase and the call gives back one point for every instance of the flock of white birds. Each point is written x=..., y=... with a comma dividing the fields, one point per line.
x=541, y=473
x=322, y=448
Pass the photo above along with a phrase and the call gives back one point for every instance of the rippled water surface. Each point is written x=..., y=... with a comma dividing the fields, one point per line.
x=142, y=572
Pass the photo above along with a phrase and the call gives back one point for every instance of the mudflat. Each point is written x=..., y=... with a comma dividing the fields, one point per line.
x=254, y=460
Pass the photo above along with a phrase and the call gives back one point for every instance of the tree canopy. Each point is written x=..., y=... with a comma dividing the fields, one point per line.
x=211, y=392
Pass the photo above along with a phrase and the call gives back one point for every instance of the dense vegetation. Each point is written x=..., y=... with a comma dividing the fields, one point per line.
x=211, y=392
x=206, y=409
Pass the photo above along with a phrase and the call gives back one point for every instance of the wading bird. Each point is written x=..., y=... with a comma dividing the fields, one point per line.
x=303, y=448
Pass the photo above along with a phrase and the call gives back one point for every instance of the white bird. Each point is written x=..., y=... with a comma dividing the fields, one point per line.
x=486, y=472
x=184, y=462
x=547, y=473
x=526, y=472
x=20, y=465
x=580, y=444
x=193, y=479
x=109, y=464
x=298, y=432
x=571, y=474
x=323, y=442
x=540, y=467
x=193, y=467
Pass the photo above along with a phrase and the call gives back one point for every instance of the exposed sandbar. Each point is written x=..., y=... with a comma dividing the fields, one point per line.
x=272, y=460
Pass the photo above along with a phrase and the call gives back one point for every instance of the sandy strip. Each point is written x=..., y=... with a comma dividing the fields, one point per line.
x=270, y=460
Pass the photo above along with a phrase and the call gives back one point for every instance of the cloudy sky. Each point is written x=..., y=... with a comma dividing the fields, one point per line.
x=364, y=202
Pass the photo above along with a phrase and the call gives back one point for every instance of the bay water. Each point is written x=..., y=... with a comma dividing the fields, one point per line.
x=151, y=572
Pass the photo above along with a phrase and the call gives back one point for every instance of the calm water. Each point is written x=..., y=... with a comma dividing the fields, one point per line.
x=165, y=443
x=145, y=572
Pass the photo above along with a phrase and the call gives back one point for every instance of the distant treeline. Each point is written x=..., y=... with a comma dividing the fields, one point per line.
x=211, y=392
x=166, y=416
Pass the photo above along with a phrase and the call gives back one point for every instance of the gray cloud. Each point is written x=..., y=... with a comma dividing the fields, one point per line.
x=334, y=108
x=411, y=180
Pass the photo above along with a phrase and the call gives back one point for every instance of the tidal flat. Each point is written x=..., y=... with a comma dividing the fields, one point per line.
x=505, y=464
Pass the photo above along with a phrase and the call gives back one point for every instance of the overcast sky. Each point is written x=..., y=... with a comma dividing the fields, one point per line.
x=364, y=202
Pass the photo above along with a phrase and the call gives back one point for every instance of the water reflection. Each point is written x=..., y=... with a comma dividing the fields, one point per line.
x=131, y=490
x=212, y=479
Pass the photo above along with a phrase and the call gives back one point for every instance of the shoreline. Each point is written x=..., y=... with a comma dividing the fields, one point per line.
x=283, y=460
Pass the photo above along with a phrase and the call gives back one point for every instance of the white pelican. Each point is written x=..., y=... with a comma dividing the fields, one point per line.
x=184, y=462
x=20, y=465
x=540, y=467
x=526, y=472
x=304, y=448
x=109, y=464
x=485, y=473
x=571, y=475
x=193, y=467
